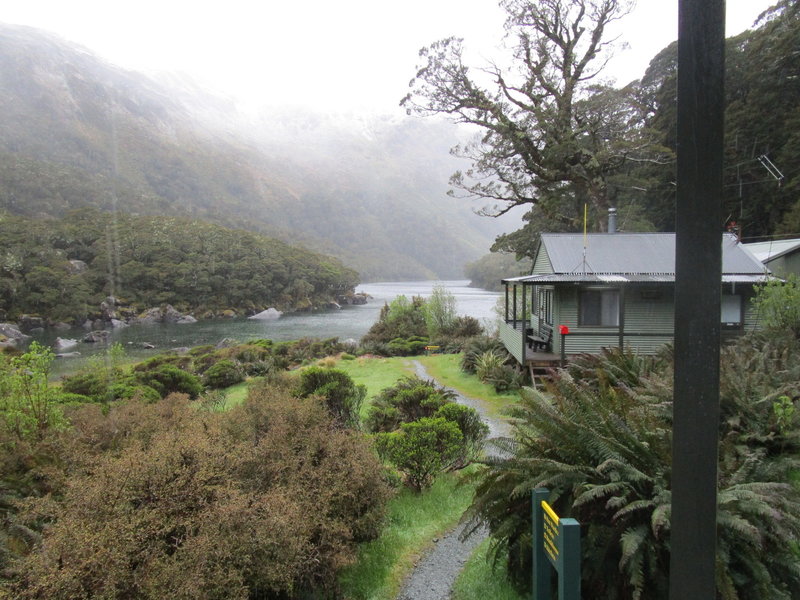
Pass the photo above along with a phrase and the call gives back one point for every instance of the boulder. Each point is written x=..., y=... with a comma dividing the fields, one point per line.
x=117, y=324
x=64, y=343
x=94, y=337
x=150, y=316
x=186, y=319
x=61, y=326
x=29, y=322
x=148, y=346
x=68, y=355
x=165, y=314
x=170, y=315
x=108, y=309
x=12, y=334
x=267, y=315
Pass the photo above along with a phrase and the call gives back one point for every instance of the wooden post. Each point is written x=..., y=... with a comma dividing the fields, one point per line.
x=569, y=557
x=698, y=266
x=524, y=324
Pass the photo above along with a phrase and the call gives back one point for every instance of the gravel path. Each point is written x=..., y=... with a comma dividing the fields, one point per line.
x=435, y=573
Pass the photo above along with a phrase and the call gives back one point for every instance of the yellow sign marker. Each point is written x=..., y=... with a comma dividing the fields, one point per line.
x=550, y=531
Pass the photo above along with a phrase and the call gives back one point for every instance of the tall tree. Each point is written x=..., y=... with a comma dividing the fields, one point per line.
x=552, y=135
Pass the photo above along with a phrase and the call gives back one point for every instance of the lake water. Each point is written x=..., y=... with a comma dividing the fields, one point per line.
x=349, y=322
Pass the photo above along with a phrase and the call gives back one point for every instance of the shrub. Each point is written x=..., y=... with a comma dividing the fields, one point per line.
x=473, y=430
x=342, y=396
x=69, y=398
x=28, y=405
x=266, y=500
x=128, y=391
x=421, y=449
x=778, y=304
x=92, y=384
x=167, y=379
x=411, y=398
x=222, y=374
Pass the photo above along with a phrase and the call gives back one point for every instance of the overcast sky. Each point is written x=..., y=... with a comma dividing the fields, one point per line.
x=325, y=54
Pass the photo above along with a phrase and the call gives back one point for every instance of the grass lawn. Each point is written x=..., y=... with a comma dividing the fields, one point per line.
x=413, y=521
x=479, y=581
x=445, y=368
x=236, y=394
x=376, y=373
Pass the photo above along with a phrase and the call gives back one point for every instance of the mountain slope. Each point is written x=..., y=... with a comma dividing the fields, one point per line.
x=80, y=132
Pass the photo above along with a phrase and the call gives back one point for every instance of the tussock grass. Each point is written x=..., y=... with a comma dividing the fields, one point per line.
x=480, y=581
x=413, y=521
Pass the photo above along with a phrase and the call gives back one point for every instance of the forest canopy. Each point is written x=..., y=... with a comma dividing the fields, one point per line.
x=63, y=269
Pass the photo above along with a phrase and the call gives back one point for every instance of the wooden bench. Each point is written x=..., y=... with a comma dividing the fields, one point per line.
x=543, y=340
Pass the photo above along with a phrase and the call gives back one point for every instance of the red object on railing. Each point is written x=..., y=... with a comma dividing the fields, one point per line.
x=563, y=329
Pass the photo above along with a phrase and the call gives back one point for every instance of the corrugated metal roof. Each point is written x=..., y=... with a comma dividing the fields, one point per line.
x=633, y=278
x=634, y=253
x=766, y=251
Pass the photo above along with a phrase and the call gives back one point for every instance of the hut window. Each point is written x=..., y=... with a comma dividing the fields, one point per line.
x=598, y=308
x=731, y=310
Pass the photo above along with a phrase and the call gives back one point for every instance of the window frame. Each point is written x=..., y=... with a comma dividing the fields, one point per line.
x=583, y=292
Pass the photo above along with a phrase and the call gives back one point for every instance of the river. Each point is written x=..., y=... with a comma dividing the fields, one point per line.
x=349, y=322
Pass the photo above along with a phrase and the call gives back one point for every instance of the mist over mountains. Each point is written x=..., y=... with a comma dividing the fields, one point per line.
x=78, y=132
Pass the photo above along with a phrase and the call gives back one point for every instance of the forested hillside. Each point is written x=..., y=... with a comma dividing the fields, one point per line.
x=63, y=269
x=556, y=140
x=78, y=132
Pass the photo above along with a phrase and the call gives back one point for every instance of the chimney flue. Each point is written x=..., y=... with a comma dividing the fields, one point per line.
x=612, y=220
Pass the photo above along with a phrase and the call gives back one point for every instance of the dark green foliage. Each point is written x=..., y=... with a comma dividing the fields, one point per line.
x=401, y=319
x=342, y=396
x=70, y=398
x=600, y=440
x=422, y=448
x=128, y=391
x=192, y=265
x=778, y=305
x=478, y=346
x=473, y=430
x=222, y=374
x=167, y=379
x=410, y=399
x=92, y=384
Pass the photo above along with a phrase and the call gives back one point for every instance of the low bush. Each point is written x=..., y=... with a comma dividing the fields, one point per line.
x=168, y=379
x=473, y=430
x=222, y=374
x=342, y=396
x=265, y=500
x=421, y=449
x=410, y=399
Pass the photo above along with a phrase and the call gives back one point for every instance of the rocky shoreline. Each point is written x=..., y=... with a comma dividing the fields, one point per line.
x=112, y=315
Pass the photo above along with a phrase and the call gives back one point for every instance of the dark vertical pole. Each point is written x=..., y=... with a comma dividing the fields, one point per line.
x=524, y=323
x=698, y=265
x=506, y=286
x=514, y=312
x=621, y=317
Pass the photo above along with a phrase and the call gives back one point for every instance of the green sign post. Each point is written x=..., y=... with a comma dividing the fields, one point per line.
x=556, y=541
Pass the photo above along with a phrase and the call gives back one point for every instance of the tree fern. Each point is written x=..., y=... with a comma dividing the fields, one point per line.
x=599, y=437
